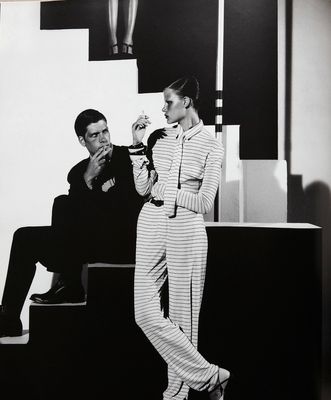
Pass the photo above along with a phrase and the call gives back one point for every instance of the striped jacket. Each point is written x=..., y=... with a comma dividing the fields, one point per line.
x=199, y=172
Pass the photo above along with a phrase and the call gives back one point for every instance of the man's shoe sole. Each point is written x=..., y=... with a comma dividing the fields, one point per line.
x=75, y=300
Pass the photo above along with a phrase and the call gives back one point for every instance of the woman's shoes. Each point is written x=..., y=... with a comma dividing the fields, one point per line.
x=113, y=51
x=127, y=49
x=218, y=392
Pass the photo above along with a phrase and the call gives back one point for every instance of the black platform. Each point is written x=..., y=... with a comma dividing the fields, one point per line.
x=260, y=318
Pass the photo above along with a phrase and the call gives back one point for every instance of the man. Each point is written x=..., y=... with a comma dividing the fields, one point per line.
x=95, y=222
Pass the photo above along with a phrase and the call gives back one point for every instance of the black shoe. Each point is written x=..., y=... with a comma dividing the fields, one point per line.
x=61, y=292
x=9, y=325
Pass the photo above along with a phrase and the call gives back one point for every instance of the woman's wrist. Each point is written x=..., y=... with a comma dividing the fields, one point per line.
x=136, y=145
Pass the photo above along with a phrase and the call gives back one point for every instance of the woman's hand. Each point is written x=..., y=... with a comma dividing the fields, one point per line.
x=158, y=191
x=96, y=165
x=139, y=128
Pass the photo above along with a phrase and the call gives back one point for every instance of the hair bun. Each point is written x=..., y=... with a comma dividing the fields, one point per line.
x=187, y=86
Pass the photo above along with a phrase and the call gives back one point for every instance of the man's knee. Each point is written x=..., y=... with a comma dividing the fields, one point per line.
x=21, y=233
x=28, y=236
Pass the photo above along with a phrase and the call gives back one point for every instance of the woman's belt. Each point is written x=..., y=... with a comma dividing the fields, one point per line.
x=157, y=203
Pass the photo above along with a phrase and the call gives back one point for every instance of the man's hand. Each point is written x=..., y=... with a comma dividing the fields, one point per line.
x=96, y=165
x=139, y=128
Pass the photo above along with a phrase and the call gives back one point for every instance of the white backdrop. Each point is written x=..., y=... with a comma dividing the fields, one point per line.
x=45, y=81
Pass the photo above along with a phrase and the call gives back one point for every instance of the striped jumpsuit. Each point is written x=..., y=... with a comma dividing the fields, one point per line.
x=176, y=248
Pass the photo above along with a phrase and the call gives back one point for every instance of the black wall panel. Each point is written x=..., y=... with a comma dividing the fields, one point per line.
x=174, y=38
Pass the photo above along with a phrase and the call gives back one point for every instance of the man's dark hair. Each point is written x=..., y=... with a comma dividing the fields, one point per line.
x=85, y=118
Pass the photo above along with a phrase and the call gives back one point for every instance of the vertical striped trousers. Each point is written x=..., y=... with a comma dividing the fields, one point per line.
x=175, y=248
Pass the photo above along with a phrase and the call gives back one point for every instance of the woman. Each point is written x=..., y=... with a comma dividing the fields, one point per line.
x=180, y=178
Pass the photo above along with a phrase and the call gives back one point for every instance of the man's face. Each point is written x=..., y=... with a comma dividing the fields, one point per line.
x=97, y=136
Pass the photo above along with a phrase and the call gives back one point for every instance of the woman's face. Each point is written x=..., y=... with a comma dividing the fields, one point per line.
x=174, y=106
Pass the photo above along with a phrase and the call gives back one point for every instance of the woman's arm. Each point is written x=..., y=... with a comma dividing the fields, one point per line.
x=143, y=177
x=203, y=201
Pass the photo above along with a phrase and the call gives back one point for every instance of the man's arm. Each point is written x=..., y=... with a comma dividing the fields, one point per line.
x=78, y=186
x=95, y=166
